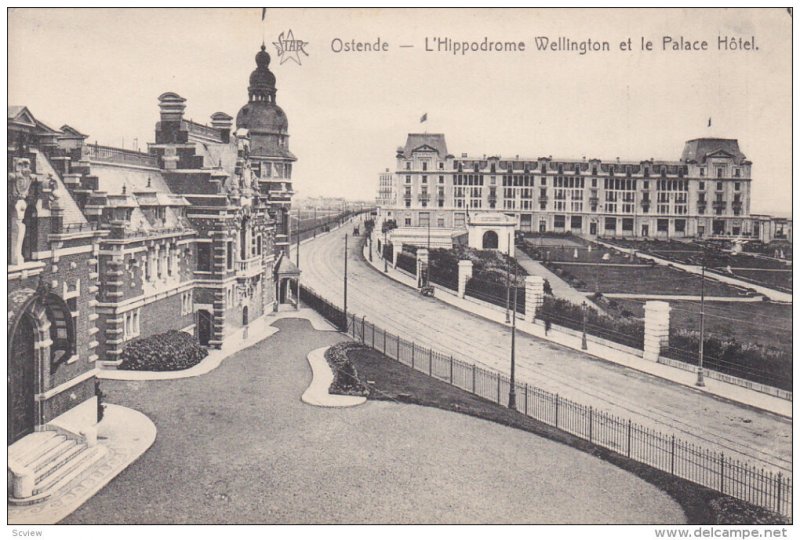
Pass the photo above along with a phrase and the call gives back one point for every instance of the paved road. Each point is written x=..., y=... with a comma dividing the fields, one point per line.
x=739, y=432
x=238, y=446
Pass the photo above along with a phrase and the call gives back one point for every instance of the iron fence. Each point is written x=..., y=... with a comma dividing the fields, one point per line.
x=662, y=451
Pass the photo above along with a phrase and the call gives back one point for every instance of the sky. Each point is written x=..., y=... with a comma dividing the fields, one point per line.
x=102, y=70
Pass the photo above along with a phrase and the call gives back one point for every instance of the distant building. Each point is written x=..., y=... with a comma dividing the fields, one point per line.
x=385, y=196
x=706, y=193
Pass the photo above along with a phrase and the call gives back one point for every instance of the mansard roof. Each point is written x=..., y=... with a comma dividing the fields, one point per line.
x=699, y=150
x=433, y=141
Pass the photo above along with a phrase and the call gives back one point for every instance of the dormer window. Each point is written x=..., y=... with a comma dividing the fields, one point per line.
x=702, y=171
x=719, y=172
x=408, y=165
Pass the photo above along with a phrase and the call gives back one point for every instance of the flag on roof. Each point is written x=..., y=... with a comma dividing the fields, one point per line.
x=263, y=13
x=423, y=118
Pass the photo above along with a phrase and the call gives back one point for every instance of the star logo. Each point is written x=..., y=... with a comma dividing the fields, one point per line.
x=290, y=48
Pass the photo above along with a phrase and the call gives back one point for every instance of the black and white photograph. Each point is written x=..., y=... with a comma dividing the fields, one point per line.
x=400, y=266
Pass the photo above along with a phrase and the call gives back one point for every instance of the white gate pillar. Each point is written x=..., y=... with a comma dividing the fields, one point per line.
x=534, y=296
x=656, y=328
x=422, y=262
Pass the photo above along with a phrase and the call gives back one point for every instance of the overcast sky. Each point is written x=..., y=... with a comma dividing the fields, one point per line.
x=102, y=70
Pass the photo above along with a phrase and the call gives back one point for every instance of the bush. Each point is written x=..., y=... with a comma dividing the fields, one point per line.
x=751, y=361
x=565, y=313
x=345, y=377
x=407, y=262
x=171, y=351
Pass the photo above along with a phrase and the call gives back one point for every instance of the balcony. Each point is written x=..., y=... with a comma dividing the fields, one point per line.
x=719, y=204
x=94, y=152
x=543, y=199
x=594, y=201
x=424, y=197
x=249, y=267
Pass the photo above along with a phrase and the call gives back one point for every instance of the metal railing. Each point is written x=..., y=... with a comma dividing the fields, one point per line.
x=110, y=154
x=662, y=451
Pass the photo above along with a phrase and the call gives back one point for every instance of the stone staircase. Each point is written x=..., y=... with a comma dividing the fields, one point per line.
x=44, y=462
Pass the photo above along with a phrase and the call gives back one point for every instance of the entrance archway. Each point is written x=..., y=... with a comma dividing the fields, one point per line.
x=41, y=337
x=22, y=381
x=490, y=240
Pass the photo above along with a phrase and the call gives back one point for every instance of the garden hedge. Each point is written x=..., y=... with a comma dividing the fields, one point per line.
x=171, y=351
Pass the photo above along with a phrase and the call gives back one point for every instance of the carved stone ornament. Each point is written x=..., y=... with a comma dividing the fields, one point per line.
x=20, y=179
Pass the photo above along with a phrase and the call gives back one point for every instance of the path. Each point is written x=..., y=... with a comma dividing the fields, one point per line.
x=238, y=446
x=561, y=289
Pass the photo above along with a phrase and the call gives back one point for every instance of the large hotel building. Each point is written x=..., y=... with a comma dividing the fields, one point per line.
x=705, y=193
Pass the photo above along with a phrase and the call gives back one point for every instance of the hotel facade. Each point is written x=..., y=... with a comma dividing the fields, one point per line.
x=705, y=193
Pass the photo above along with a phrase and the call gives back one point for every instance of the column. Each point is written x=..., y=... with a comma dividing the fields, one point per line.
x=534, y=296
x=656, y=328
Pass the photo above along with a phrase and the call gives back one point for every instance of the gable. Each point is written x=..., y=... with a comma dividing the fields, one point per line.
x=21, y=115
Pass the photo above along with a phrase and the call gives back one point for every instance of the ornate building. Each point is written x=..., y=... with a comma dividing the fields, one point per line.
x=704, y=193
x=107, y=245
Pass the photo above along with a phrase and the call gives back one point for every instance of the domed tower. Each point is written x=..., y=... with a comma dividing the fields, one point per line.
x=265, y=123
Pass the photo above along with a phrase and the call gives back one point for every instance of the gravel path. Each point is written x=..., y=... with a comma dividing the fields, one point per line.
x=238, y=446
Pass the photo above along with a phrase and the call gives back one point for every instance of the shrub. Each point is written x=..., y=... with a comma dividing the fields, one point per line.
x=345, y=377
x=407, y=262
x=171, y=351
x=565, y=313
x=751, y=361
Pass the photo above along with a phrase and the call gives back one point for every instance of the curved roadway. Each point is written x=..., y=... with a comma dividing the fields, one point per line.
x=740, y=432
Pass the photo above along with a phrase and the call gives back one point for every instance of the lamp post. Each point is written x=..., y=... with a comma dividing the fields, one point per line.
x=508, y=288
x=512, y=392
x=344, y=325
x=383, y=248
x=583, y=338
x=700, y=380
x=315, y=222
x=427, y=270
x=370, y=247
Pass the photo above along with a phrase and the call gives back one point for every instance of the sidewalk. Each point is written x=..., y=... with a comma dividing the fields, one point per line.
x=772, y=294
x=496, y=314
x=257, y=331
x=126, y=434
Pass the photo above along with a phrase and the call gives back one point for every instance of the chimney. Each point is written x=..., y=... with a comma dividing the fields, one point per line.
x=222, y=122
x=168, y=130
x=172, y=106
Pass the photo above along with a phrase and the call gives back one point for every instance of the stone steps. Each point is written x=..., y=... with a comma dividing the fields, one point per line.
x=54, y=459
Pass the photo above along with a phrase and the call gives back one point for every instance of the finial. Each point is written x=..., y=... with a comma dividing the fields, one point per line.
x=124, y=189
x=148, y=181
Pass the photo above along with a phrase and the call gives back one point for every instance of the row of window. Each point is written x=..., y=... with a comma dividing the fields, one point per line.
x=613, y=169
x=525, y=180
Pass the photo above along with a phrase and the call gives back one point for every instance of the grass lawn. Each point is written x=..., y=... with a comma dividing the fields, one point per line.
x=748, y=322
x=393, y=381
x=767, y=278
x=653, y=280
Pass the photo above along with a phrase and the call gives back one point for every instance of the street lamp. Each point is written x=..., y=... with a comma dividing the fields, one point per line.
x=315, y=222
x=512, y=392
x=583, y=338
x=700, y=380
x=344, y=326
x=508, y=287
x=385, y=263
